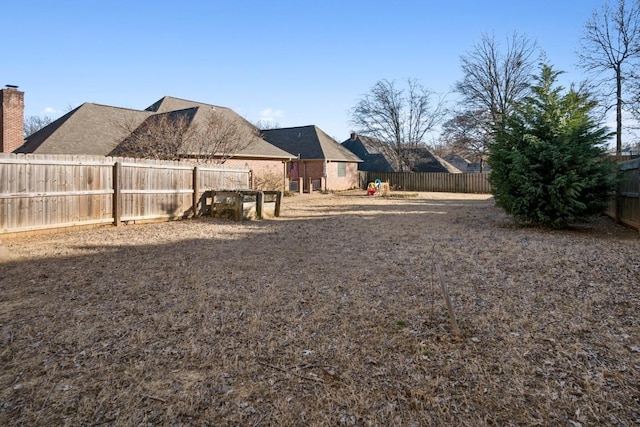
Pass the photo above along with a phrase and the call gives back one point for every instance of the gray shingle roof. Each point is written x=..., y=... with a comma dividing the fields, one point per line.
x=90, y=129
x=310, y=143
x=426, y=161
x=95, y=129
x=169, y=103
x=376, y=156
x=379, y=157
x=465, y=165
x=255, y=146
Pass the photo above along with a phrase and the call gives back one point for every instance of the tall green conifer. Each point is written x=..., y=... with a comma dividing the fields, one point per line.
x=548, y=159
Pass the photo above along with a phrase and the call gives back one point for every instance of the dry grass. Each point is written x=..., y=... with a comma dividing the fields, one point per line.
x=329, y=315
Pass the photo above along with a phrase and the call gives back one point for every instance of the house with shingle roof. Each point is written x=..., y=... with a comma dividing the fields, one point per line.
x=322, y=163
x=425, y=161
x=379, y=157
x=376, y=156
x=94, y=129
x=465, y=165
x=90, y=129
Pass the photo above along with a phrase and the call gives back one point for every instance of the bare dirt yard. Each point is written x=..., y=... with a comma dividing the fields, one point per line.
x=332, y=314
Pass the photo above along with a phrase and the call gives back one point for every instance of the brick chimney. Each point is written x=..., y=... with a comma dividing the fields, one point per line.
x=11, y=118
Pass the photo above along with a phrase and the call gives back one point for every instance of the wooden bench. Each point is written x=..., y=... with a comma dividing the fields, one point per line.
x=239, y=204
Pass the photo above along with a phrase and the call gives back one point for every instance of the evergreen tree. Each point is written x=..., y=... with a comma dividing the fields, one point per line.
x=548, y=158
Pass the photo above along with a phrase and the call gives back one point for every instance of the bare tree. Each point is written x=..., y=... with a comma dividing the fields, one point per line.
x=400, y=118
x=495, y=80
x=219, y=135
x=160, y=136
x=467, y=134
x=633, y=108
x=611, y=42
x=263, y=124
x=211, y=135
x=32, y=124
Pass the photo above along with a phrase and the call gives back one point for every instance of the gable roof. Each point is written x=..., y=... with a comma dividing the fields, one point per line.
x=103, y=130
x=256, y=146
x=169, y=103
x=380, y=157
x=91, y=129
x=451, y=168
x=309, y=143
x=376, y=156
x=465, y=165
x=426, y=161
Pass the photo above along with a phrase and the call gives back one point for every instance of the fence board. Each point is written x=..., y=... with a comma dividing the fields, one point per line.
x=38, y=192
x=625, y=207
x=430, y=181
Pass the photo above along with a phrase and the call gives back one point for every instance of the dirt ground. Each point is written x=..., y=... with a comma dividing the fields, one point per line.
x=332, y=314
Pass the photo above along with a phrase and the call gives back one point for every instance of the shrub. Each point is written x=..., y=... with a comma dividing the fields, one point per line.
x=548, y=158
x=269, y=181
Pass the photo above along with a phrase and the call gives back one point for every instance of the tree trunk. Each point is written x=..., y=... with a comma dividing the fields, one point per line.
x=618, y=110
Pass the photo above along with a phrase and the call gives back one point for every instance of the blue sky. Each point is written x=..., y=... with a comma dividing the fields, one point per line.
x=294, y=62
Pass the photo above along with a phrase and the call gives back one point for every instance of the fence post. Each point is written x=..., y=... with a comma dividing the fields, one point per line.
x=196, y=190
x=259, y=204
x=238, y=206
x=276, y=212
x=117, y=193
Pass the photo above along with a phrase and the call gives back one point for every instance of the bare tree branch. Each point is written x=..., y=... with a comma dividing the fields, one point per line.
x=264, y=124
x=32, y=124
x=160, y=136
x=611, y=43
x=400, y=118
x=219, y=135
x=494, y=80
x=213, y=135
x=468, y=134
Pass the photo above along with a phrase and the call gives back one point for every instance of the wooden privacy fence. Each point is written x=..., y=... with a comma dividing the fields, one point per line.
x=430, y=181
x=39, y=192
x=625, y=207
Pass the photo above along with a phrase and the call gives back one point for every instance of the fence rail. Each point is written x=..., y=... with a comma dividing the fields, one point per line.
x=625, y=207
x=430, y=181
x=39, y=192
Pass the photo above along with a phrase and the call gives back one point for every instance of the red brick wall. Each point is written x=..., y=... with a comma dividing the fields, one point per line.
x=314, y=169
x=266, y=173
x=342, y=182
x=11, y=119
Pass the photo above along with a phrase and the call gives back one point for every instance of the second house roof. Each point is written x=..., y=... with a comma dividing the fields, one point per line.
x=309, y=143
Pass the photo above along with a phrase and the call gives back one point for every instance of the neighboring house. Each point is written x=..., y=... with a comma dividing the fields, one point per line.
x=426, y=161
x=379, y=157
x=90, y=129
x=376, y=156
x=464, y=165
x=94, y=129
x=323, y=164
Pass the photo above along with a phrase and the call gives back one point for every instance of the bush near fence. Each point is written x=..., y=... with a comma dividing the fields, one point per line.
x=40, y=192
x=624, y=207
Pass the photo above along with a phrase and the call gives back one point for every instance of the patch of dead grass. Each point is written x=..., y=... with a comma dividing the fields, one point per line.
x=329, y=315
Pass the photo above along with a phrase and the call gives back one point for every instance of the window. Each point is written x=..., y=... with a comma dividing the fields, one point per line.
x=342, y=169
